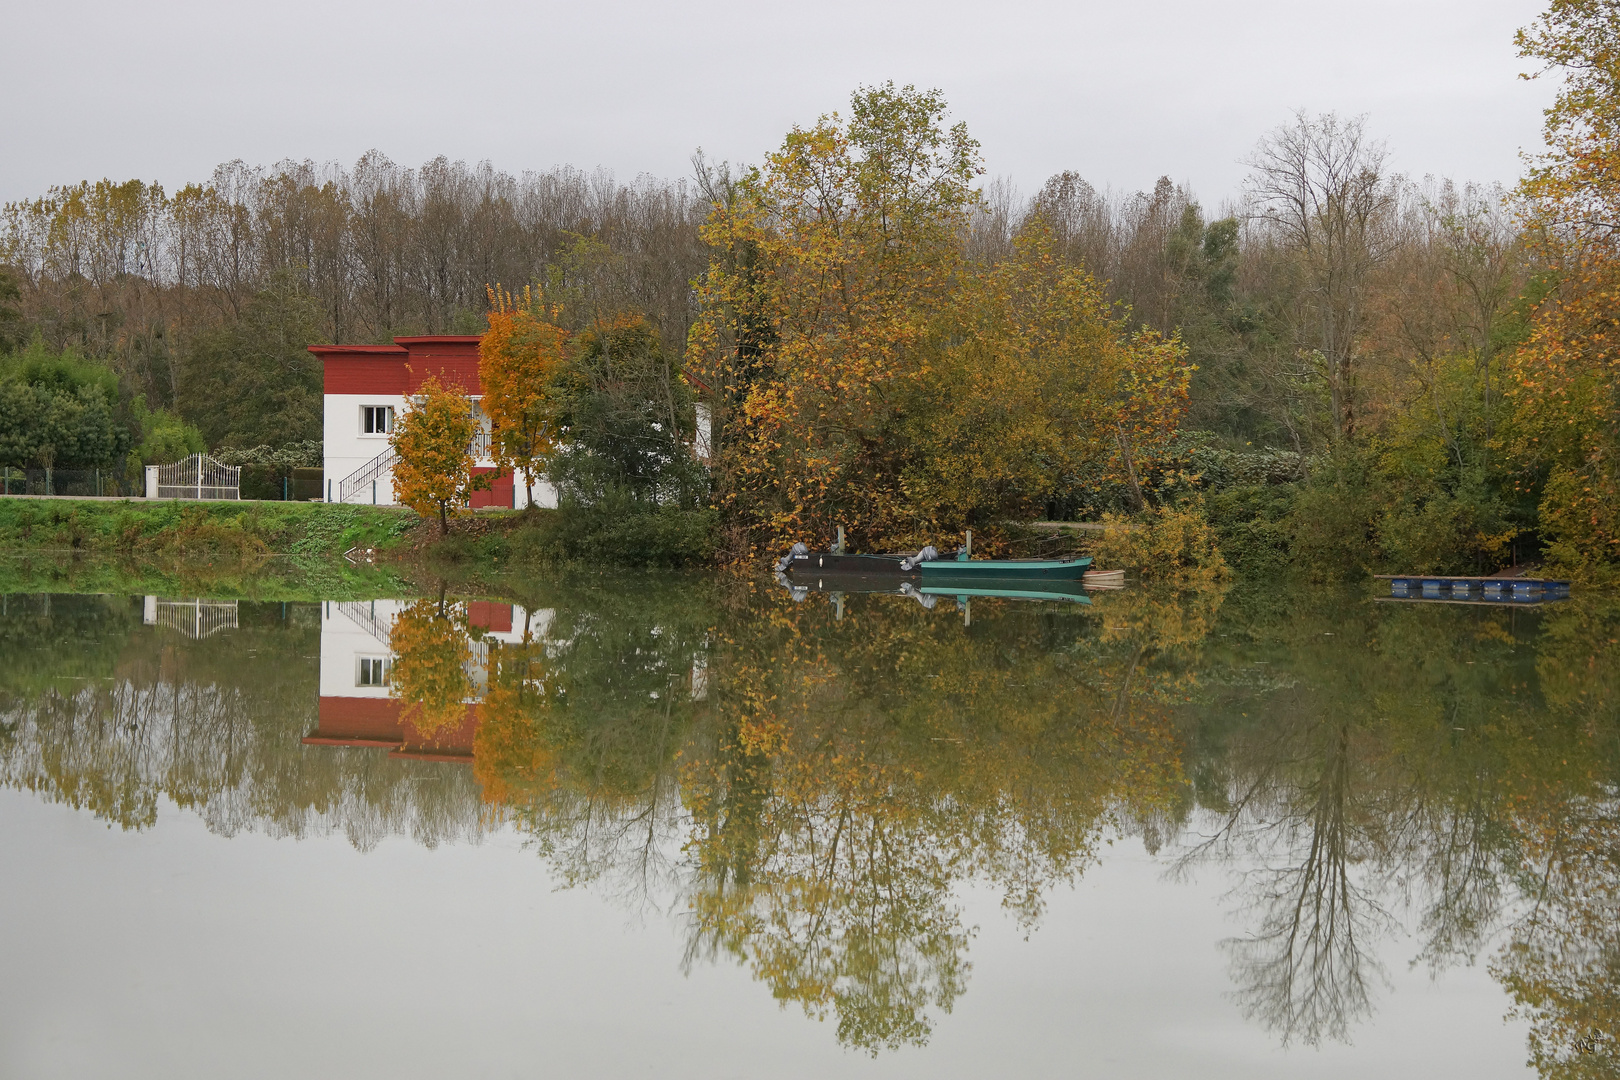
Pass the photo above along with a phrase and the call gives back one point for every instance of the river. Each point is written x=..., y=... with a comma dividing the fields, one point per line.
x=642, y=825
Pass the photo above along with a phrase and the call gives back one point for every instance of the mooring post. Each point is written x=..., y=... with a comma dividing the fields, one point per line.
x=969, y=544
x=838, y=549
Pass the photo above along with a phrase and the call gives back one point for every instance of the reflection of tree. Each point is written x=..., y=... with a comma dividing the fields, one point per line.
x=1303, y=971
x=432, y=654
x=1395, y=758
x=580, y=732
x=215, y=726
x=1562, y=964
x=863, y=767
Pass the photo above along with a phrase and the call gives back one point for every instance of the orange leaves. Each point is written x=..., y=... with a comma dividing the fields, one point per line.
x=1562, y=380
x=518, y=359
x=434, y=442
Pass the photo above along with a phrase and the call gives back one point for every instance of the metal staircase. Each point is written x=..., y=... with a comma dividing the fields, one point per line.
x=365, y=617
x=359, y=482
x=363, y=477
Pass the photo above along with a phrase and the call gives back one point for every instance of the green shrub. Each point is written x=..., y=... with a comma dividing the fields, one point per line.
x=1170, y=543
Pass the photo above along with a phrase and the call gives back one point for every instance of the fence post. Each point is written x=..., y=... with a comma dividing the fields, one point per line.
x=286, y=482
x=199, y=476
x=48, y=489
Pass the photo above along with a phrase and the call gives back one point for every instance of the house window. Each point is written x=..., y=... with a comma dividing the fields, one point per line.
x=372, y=671
x=376, y=419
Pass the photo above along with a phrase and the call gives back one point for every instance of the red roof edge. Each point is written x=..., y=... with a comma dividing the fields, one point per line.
x=363, y=350
x=440, y=339
x=322, y=740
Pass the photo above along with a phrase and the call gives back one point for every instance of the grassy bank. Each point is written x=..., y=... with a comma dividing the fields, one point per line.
x=597, y=536
x=144, y=529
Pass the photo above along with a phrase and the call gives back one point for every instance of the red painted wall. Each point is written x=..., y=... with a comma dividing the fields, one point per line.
x=377, y=722
x=400, y=368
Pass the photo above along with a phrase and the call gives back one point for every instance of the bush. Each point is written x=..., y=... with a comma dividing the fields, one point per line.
x=1171, y=543
x=625, y=533
x=1251, y=523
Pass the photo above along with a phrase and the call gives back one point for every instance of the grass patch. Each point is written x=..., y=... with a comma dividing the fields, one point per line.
x=172, y=529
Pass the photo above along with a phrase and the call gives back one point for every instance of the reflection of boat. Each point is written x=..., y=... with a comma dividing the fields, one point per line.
x=1036, y=590
x=802, y=585
x=927, y=564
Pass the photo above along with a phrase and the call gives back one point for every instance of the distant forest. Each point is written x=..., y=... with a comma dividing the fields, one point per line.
x=155, y=284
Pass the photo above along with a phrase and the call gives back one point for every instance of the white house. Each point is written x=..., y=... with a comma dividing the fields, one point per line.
x=368, y=386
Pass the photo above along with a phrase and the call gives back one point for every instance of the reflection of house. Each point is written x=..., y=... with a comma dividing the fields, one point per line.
x=356, y=708
x=367, y=387
x=196, y=619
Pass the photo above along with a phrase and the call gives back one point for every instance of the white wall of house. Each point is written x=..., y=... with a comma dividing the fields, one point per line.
x=347, y=447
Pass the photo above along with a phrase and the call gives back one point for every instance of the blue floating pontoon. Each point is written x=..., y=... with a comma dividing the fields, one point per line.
x=1474, y=590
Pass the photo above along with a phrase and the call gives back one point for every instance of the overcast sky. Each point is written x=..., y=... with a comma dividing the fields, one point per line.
x=1121, y=92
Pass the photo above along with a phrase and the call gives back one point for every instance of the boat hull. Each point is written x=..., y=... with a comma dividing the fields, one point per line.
x=827, y=562
x=944, y=571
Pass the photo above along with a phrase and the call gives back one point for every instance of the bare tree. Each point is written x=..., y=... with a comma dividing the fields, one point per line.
x=1319, y=185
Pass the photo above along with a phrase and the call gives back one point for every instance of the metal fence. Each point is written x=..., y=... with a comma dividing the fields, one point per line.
x=64, y=482
x=199, y=477
x=196, y=619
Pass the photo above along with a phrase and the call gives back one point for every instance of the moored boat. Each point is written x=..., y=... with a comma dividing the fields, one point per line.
x=927, y=564
x=941, y=571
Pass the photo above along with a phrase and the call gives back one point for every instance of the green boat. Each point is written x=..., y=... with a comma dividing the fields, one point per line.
x=963, y=570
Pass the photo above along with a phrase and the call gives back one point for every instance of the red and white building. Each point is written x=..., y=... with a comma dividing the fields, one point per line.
x=369, y=386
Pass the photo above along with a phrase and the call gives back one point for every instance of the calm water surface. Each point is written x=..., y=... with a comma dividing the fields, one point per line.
x=693, y=828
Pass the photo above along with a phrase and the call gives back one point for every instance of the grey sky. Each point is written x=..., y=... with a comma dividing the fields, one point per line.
x=1120, y=92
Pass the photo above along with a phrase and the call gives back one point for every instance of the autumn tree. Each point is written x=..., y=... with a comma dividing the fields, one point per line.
x=1563, y=381
x=853, y=232
x=433, y=439
x=518, y=358
x=1042, y=382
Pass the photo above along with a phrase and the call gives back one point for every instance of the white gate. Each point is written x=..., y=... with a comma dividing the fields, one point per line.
x=199, y=477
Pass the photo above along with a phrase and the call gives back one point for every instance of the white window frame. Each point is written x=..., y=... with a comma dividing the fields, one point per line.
x=388, y=419
x=363, y=670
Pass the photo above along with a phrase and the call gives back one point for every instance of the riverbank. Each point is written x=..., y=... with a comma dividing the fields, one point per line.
x=142, y=528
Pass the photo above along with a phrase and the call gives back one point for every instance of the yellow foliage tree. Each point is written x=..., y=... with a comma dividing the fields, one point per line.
x=833, y=261
x=1565, y=380
x=1041, y=383
x=872, y=376
x=433, y=439
x=518, y=358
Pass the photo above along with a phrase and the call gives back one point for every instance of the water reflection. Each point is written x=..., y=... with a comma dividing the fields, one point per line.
x=808, y=783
